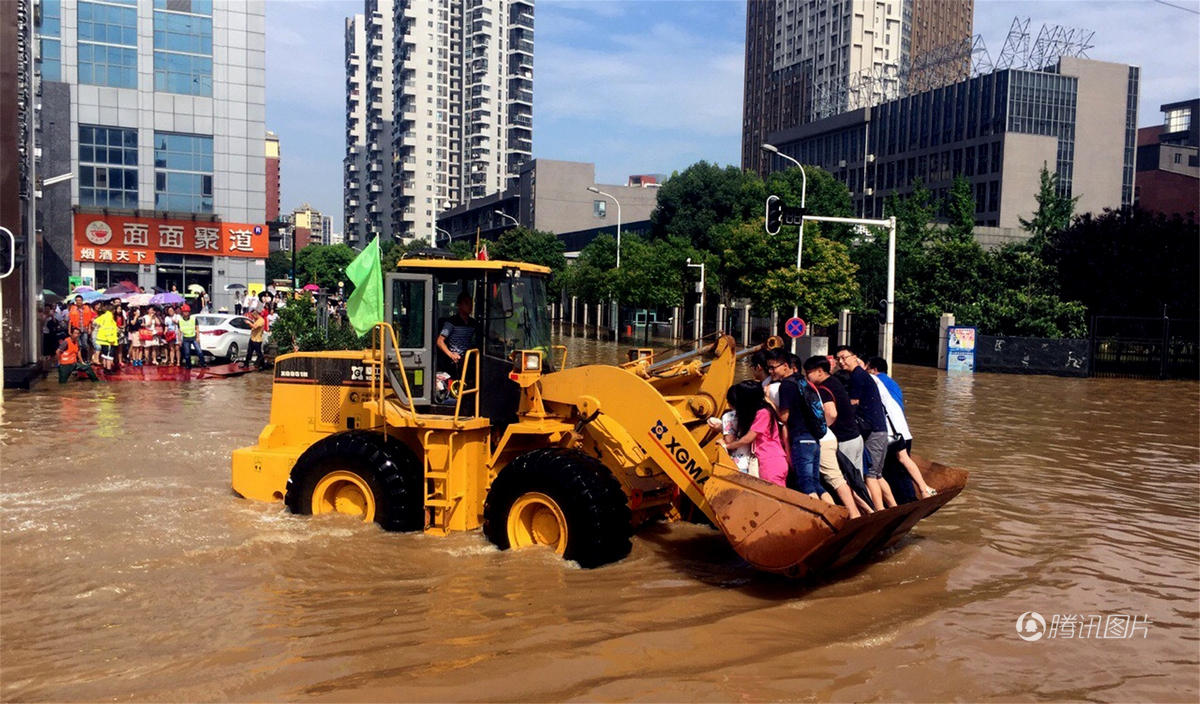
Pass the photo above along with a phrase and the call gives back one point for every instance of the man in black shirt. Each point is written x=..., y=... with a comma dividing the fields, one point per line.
x=844, y=427
x=864, y=395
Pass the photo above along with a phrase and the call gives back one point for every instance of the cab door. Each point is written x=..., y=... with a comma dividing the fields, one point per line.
x=409, y=299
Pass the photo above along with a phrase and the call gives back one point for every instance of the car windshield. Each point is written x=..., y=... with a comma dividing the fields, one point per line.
x=527, y=327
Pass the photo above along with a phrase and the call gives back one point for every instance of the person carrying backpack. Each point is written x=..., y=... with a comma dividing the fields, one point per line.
x=801, y=411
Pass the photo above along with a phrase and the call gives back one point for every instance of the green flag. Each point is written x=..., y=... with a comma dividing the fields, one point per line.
x=365, y=306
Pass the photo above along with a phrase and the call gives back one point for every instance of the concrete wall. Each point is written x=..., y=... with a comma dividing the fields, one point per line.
x=1024, y=155
x=1099, y=132
x=562, y=203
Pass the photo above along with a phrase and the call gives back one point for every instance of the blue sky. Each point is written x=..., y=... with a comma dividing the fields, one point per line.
x=650, y=86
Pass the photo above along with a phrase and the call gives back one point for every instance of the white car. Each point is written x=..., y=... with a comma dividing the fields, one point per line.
x=224, y=335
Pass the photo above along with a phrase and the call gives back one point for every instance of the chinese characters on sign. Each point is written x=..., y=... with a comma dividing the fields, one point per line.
x=121, y=238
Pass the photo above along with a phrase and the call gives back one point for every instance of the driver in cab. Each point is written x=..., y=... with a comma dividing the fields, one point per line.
x=458, y=332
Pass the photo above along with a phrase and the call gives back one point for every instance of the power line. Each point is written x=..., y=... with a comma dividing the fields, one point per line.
x=1178, y=7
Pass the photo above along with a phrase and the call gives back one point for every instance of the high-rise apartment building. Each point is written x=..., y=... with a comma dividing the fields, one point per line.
x=155, y=108
x=354, y=166
x=369, y=94
x=459, y=78
x=310, y=226
x=811, y=59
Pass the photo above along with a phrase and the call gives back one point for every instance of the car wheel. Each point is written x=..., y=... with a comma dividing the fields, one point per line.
x=231, y=353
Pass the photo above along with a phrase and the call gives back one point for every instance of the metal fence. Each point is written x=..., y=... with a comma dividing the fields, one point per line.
x=1156, y=348
x=1032, y=355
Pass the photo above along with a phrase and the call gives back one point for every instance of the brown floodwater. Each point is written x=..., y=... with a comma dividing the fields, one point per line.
x=129, y=571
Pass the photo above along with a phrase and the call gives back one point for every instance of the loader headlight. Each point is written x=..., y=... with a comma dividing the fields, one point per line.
x=531, y=361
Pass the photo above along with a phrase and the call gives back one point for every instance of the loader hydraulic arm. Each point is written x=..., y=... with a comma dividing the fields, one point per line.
x=638, y=424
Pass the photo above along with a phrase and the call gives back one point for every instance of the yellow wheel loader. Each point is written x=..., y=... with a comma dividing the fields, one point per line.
x=510, y=439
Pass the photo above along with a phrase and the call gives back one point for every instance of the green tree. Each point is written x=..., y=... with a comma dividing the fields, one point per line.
x=591, y=276
x=702, y=196
x=521, y=244
x=1054, y=210
x=824, y=285
x=652, y=272
x=296, y=330
x=279, y=266
x=324, y=265
x=960, y=211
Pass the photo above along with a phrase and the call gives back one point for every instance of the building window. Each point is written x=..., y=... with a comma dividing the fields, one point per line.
x=183, y=46
x=108, y=23
x=108, y=176
x=599, y=208
x=1179, y=120
x=49, y=32
x=182, y=73
x=107, y=35
x=183, y=166
x=1178, y=158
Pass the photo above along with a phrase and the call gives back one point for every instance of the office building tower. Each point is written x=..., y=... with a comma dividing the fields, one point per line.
x=272, y=175
x=811, y=59
x=156, y=109
x=1076, y=117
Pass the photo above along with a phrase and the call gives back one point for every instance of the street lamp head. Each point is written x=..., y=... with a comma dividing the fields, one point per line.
x=499, y=212
x=770, y=148
x=593, y=189
x=689, y=261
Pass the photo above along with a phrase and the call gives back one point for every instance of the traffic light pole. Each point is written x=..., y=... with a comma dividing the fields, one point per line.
x=889, y=326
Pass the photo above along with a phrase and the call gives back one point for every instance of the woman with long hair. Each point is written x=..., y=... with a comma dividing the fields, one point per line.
x=758, y=427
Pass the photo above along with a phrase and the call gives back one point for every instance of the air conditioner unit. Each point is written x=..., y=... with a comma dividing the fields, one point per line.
x=869, y=192
x=870, y=158
x=842, y=164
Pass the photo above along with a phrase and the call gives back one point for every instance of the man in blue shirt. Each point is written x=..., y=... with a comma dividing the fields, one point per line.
x=878, y=367
x=864, y=395
x=458, y=332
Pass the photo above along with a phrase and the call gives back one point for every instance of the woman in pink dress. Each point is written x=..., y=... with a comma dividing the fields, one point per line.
x=758, y=428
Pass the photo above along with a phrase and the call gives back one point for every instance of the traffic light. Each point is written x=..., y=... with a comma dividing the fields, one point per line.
x=774, y=215
x=881, y=313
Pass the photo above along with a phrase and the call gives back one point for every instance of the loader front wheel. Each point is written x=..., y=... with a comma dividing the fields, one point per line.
x=361, y=474
x=563, y=500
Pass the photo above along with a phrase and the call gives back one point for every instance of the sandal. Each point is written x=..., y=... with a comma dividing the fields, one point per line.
x=930, y=491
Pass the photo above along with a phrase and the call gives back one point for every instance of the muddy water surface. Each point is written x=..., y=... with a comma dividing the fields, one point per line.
x=128, y=570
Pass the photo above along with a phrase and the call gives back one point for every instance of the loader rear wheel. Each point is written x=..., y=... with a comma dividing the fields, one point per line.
x=561, y=499
x=361, y=474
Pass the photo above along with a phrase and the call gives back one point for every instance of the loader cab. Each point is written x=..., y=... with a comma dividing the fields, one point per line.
x=508, y=314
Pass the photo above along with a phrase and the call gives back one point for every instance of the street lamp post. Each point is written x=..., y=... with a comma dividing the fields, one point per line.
x=800, y=238
x=700, y=314
x=506, y=216
x=449, y=239
x=593, y=189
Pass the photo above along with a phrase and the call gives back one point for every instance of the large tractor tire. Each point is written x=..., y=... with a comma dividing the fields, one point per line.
x=561, y=499
x=361, y=474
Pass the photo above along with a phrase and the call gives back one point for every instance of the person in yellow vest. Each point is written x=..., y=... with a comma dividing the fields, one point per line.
x=187, y=334
x=107, y=336
x=68, y=359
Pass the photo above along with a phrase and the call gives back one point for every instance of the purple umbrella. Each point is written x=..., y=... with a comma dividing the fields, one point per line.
x=166, y=299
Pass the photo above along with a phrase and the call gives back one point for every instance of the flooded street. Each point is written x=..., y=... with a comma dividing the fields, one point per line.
x=128, y=569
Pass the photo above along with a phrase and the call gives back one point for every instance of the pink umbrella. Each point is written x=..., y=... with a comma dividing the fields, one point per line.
x=311, y=287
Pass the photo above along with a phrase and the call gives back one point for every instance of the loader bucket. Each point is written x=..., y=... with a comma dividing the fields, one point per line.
x=779, y=530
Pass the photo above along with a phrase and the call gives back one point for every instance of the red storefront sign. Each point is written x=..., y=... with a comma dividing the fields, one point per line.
x=128, y=239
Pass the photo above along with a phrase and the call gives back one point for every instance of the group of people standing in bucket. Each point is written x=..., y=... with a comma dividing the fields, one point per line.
x=824, y=427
